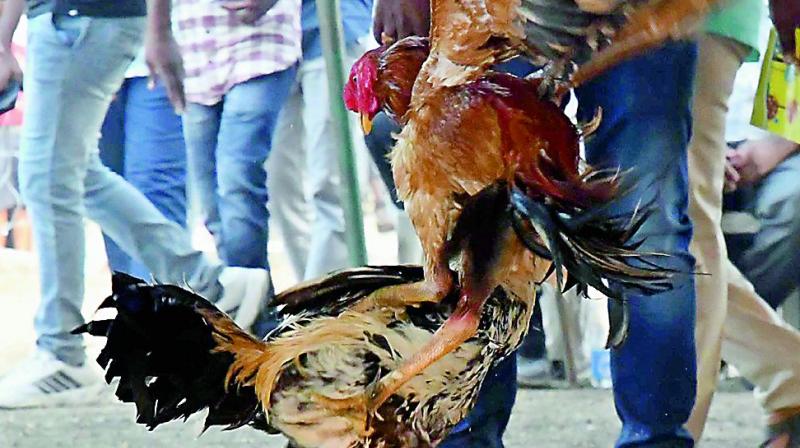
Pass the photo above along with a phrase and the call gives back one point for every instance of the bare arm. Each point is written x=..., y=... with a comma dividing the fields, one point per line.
x=754, y=159
x=162, y=52
x=11, y=12
x=9, y=18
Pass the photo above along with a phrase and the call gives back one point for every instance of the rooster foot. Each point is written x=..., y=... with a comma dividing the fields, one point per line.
x=355, y=402
x=367, y=402
x=410, y=294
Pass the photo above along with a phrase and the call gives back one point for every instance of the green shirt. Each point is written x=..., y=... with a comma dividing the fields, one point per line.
x=739, y=20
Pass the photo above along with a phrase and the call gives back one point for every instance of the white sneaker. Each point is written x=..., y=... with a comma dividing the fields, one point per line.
x=244, y=294
x=44, y=381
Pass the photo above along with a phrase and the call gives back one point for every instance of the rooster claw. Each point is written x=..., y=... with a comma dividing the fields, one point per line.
x=367, y=402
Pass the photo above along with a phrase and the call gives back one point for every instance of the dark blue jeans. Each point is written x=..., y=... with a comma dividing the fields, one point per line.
x=646, y=128
x=142, y=141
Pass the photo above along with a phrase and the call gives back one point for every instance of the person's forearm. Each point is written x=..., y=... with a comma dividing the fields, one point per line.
x=12, y=11
x=780, y=150
x=784, y=148
x=158, y=16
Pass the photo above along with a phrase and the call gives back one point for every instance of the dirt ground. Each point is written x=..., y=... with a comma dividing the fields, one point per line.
x=541, y=419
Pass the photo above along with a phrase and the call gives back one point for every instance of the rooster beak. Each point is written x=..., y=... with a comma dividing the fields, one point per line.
x=366, y=124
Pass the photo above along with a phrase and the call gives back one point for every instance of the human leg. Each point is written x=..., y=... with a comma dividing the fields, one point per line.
x=575, y=317
x=66, y=100
x=155, y=156
x=763, y=347
x=143, y=120
x=328, y=248
x=135, y=224
x=247, y=122
x=286, y=182
x=645, y=129
x=379, y=143
x=720, y=59
x=200, y=131
x=112, y=154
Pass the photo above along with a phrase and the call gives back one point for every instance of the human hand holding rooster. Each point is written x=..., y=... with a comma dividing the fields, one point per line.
x=396, y=19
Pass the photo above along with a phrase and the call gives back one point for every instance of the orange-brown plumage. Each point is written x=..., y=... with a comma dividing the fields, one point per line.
x=465, y=140
x=458, y=140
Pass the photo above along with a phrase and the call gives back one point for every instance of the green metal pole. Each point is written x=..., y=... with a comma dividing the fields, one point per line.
x=330, y=27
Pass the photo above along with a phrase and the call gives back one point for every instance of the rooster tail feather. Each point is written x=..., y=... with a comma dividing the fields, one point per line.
x=164, y=346
x=597, y=252
x=618, y=322
x=340, y=288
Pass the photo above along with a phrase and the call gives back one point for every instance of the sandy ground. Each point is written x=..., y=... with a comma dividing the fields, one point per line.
x=562, y=418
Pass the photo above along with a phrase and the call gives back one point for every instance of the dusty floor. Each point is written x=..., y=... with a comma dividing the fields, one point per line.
x=542, y=419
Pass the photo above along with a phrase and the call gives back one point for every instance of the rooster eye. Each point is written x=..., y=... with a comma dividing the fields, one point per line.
x=355, y=78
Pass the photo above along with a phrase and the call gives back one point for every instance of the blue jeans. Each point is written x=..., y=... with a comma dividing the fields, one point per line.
x=646, y=128
x=75, y=64
x=142, y=141
x=769, y=259
x=227, y=146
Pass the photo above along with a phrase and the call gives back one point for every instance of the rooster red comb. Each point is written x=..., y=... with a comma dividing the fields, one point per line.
x=359, y=92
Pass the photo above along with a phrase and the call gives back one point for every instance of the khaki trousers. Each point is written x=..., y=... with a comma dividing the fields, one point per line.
x=732, y=320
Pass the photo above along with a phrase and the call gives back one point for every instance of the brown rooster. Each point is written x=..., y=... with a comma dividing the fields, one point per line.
x=457, y=142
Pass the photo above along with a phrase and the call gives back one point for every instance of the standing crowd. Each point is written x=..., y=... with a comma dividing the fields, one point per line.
x=238, y=120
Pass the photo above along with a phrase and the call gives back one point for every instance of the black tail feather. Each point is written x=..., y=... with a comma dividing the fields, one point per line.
x=341, y=288
x=482, y=224
x=160, y=346
x=599, y=252
x=596, y=249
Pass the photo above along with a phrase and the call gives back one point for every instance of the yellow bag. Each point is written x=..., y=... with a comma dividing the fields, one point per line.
x=776, y=103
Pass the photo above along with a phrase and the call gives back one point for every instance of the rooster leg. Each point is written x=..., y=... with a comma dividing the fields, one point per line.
x=462, y=325
x=429, y=290
x=647, y=27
